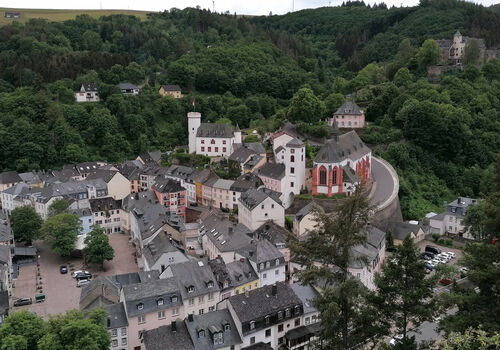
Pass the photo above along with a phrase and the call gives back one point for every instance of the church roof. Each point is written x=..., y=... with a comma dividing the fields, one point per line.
x=348, y=145
x=215, y=130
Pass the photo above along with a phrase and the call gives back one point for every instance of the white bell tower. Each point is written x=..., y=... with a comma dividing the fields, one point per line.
x=194, y=122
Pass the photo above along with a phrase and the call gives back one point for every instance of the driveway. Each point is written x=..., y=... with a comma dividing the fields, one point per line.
x=60, y=290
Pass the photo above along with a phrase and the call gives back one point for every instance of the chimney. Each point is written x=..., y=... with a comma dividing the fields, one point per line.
x=274, y=290
x=109, y=322
x=190, y=317
x=173, y=327
x=459, y=200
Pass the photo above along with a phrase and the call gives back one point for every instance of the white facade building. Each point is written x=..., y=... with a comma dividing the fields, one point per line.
x=89, y=92
x=211, y=139
x=258, y=206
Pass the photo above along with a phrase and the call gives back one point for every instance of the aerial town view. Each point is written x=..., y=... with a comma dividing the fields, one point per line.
x=288, y=175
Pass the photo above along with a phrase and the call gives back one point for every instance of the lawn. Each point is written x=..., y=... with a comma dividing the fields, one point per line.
x=62, y=15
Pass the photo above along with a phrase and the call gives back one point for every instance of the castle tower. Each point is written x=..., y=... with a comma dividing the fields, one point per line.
x=295, y=170
x=194, y=122
x=237, y=134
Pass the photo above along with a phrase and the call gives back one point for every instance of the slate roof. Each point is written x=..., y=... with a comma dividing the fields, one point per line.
x=171, y=87
x=444, y=43
x=258, y=346
x=349, y=108
x=157, y=247
x=224, y=234
x=194, y=273
x=164, y=337
x=349, y=175
x=272, y=170
x=400, y=230
x=117, y=317
x=370, y=250
x=5, y=230
x=182, y=172
x=17, y=189
x=106, y=175
x=257, y=147
x=273, y=233
x=295, y=142
x=204, y=175
x=460, y=206
x=147, y=294
x=150, y=215
x=304, y=211
x=87, y=167
x=213, y=322
x=253, y=197
x=166, y=185
x=262, y=251
x=215, y=130
x=253, y=161
x=153, y=156
x=306, y=294
x=31, y=177
x=4, y=302
x=8, y=177
x=90, y=87
x=245, y=182
x=5, y=255
x=347, y=146
x=104, y=204
x=128, y=86
x=260, y=302
x=241, y=155
x=223, y=184
x=235, y=273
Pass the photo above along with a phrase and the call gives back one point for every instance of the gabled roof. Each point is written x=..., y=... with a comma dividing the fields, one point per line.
x=128, y=86
x=347, y=146
x=272, y=232
x=117, y=317
x=223, y=184
x=157, y=247
x=171, y=87
x=211, y=323
x=182, y=172
x=261, y=251
x=272, y=170
x=215, y=130
x=349, y=175
x=241, y=155
x=306, y=294
x=166, y=185
x=245, y=182
x=151, y=157
x=104, y=204
x=257, y=147
x=349, y=108
x=224, y=234
x=165, y=337
x=370, y=250
x=8, y=177
x=196, y=274
x=90, y=87
x=400, y=230
x=295, y=142
x=253, y=197
x=106, y=175
x=261, y=302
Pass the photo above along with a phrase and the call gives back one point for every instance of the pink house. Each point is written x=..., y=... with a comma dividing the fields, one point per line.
x=349, y=115
x=272, y=175
x=170, y=194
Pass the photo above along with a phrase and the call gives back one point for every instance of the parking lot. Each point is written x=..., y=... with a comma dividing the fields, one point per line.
x=60, y=289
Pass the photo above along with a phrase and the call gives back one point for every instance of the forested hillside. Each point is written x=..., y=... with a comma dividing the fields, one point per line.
x=440, y=137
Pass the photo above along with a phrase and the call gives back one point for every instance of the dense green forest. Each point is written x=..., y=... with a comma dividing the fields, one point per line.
x=441, y=137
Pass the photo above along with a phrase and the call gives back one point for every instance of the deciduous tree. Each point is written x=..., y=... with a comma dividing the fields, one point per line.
x=61, y=231
x=98, y=248
x=26, y=223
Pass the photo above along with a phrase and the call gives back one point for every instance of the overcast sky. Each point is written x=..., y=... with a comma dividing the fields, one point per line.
x=250, y=7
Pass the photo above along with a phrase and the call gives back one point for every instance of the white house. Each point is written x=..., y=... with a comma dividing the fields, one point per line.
x=89, y=92
x=211, y=139
x=129, y=89
x=452, y=220
x=160, y=253
x=256, y=206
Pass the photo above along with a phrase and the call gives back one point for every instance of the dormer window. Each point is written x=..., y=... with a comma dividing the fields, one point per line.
x=267, y=319
x=252, y=325
x=261, y=266
x=226, y=284
x=288, y=313
x=159, y=301
x=190, y=289
x=280, y=315
x=173, y=299
x=201, y=333
x=227, y=327
x=140, y=306
x=210, y=284
x=218, y=338
x=277, y=262
x=297, y=310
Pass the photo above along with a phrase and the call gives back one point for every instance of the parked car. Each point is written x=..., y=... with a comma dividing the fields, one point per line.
x=425, y=256
x=194, y=204
x=429, y=267
x=453, y=255
x=463, y=271
x=396, y=339
x=80, y=272
x=82, y=282
x=63, y=269
x=83, y=276
x=431, y=255
x=445, y=281
x=23, y=301
x=224, y=210
x=444, y=256
x=432, y=249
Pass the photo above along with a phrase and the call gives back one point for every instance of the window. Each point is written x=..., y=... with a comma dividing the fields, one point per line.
x=252, y=324
x=280, y=340
x=280, y=326
x=140, y=306
x=297, y=322
x=173, y=299
x=268, y=332
x=261, y=266
x=190, y=289
x=268, y=264
x=114, y=332
x=216, y=149
x=292, y=158
x=175, y=312
x=264, y=276
x=124, y=341
x=334, y=176
x=201, y=333
x=124, y=331
x=223, y=142
x=322, y=176
x=201, y=311
x=288, y=313
x=141, y=319
x=223, y=149
x=202, y=142
x=211, y=296
x=211, y=308
x=277, y=272
x=280, y=315
x=201, y=299
x=212, y=141
x=267, y=319
x=252, y=340
x=191, y=301
x=202, y=149
x=292, y=170
x=262, y=206
x=291, y=184
x=272, y=206
x=297, y=310
x=161, y=315
x=292, y=151
x=227, y=327
x=159, y=301
x=307, y=321
x=115, y=342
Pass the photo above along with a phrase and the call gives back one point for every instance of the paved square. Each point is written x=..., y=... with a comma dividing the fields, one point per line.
x=60, y=290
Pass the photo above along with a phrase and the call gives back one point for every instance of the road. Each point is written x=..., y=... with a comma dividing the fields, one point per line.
x=385, y=183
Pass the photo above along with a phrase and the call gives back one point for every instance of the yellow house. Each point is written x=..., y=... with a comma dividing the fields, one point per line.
x=171, y=90
x=234, y=278
x=400, y=230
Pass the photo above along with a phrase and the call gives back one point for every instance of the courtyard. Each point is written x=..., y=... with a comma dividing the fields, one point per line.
x=60, y=289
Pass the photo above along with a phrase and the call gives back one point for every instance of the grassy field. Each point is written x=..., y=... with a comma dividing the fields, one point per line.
x=62, y=15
